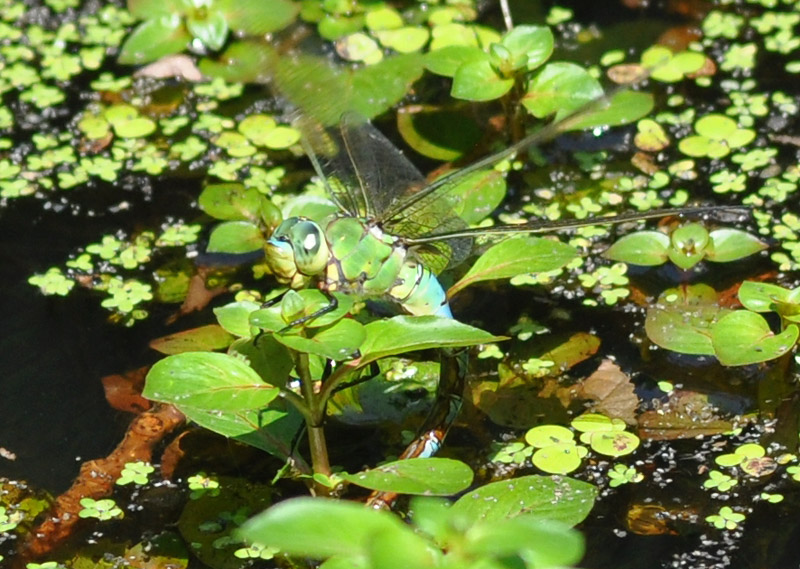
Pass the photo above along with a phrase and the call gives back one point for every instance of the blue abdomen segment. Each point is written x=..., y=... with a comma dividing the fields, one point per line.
x=419, y=292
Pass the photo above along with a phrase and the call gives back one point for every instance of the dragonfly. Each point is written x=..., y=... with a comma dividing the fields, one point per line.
x=393, y=233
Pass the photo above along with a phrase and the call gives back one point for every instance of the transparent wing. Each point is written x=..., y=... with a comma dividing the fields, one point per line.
x=366, y=175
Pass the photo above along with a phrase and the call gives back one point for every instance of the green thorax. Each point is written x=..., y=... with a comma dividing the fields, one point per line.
x=363, y=260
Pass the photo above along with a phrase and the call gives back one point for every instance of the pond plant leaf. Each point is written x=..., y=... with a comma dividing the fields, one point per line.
x=516, y=256
x=337, y=342
x=728, y=244
x=645, y=248
x=204, y=338
x=154, y=38
x=421, y=476
x=208, y=380
x=682, y=318
x=560, y=88
x=271, y=429
x=401, y=334
x=743, y=337
x=235, y=237
x=321, y=528
x=545, y=498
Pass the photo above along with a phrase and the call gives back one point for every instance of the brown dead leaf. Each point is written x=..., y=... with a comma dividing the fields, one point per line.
x=124, y=391
x=180, y=66
x=198, y=296
x=611, y=391
x=685, y=415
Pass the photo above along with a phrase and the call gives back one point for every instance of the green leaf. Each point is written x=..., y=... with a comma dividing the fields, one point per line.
x=548, y=498
x=479, y=81
x=732, y=244
x=235, y=317
x=762, y=297
x=269, y=358
x=321, y=528
x=541, y=543
x=560, y=88
x=682, y=318
x=743, y=337
x=234, y=202
x=514, y=257
x=529, y=46
x=258, y=17
x=235, y=237
x=271, y=430
x=402, y=550
x=403, y=334
x=146, y=9
x=244, y=61
x=208, y=380
x=422, y=476
x=478, y=195
x=153, y=39
x=212, y=30
x=441, y=134
x=338, y=342
x=447, y=60
x=625, y=107
x=204, y=338
x=645, y=248
x=272, y=319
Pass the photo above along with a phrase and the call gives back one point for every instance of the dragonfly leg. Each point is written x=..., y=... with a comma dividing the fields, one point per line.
x=332, y=305
x=442, y=415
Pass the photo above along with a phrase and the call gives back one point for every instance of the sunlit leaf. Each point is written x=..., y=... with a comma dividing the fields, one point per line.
x=423, y=476
x=208, y=380
x=743, y=337
x=517, y=256
x=153, y=39
x=560, y=88
x=235, y=237
x=542, y=497
x=403, y=334
x=204, y=338
x=646, y=248
x=320, y=528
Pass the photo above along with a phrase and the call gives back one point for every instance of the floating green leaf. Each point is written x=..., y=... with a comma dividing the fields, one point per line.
x=743, y=337
x=422, y=476
x=545, y=498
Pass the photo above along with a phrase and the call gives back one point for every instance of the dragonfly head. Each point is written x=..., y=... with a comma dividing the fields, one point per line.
x=297, y=250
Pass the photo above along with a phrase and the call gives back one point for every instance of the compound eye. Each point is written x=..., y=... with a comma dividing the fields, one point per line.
x=310, y=247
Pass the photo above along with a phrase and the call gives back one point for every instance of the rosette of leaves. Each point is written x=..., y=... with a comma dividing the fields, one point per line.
x=170, y=26
x=685, y=246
